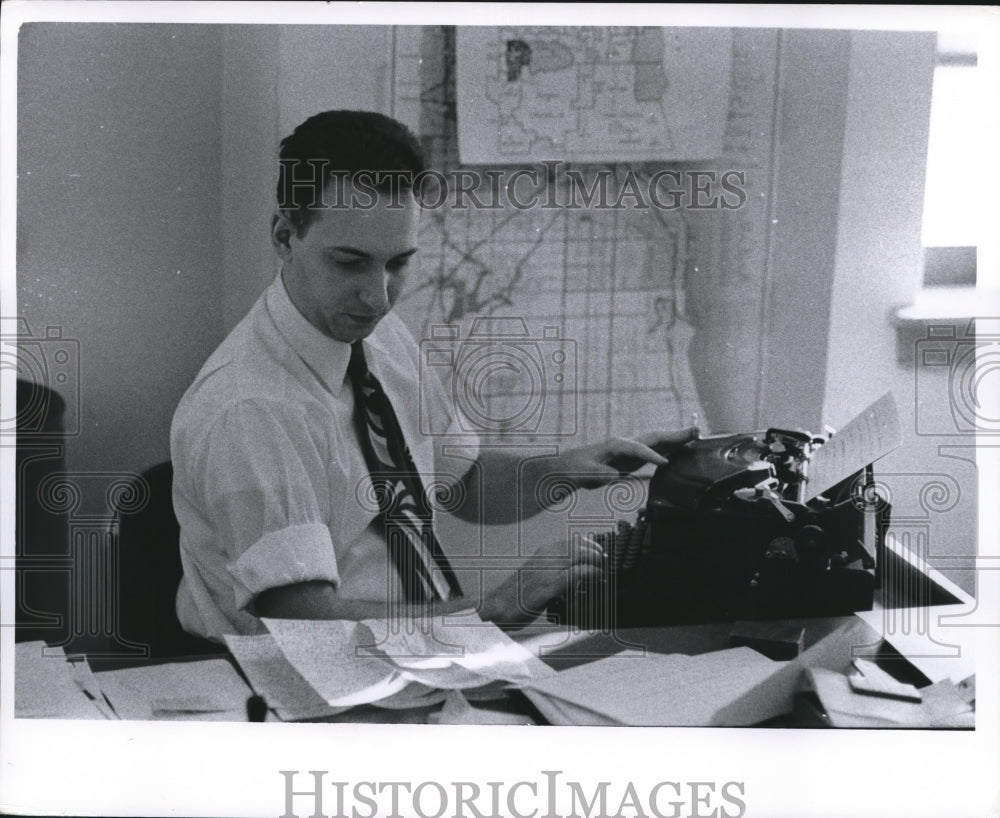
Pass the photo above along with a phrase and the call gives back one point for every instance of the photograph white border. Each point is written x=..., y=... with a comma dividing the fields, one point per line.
x=128, y=768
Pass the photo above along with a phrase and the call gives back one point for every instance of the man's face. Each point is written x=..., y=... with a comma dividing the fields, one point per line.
x=347, y=269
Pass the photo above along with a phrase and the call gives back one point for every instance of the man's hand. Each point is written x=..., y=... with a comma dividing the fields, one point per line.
x=552, y=571
x=511, y=493
x=594, y=466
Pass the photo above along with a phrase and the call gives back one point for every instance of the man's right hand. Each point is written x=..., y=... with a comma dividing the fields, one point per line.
x=552, y=571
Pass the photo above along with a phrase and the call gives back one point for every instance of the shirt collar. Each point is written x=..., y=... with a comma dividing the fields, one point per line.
x=325, y=356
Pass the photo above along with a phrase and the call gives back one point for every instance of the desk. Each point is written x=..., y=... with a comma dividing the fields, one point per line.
x=907, y=583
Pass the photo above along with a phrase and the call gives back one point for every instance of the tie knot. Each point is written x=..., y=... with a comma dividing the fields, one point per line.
x=357, y=367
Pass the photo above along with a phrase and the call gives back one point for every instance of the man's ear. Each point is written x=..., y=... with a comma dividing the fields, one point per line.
x=282, y=231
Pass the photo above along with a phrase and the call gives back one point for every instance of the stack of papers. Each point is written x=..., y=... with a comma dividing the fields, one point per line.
x=302, y=669
x=941, y=705
x=48, y=686
x=633, y=688
x=313, y=668
x=457, y=710
x=724, y=688
x=273, y=678
x=208, y=690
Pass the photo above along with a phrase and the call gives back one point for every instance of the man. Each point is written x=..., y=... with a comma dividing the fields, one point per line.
x=300, y=473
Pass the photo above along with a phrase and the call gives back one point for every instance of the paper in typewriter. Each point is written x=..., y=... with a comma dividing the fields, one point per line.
x=870, y=435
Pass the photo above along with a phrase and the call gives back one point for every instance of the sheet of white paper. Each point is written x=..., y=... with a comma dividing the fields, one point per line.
x=447, y=678
x=561, y=712
x=272, y=676
x=46, y=685
x=660, y=689
x=940, y=707
x=457, y=710
x=773, y=695
x=88, y=683
x=870, y=435
x=209, y=690
x=542, y=639
x=492, y=691
x=413, y=695
x=457, y=652
x=326, y=654
x=417, y=643
x=363, y=662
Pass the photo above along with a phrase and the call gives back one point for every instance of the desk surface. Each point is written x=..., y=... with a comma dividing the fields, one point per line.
x=562, y=649
x=909, y=583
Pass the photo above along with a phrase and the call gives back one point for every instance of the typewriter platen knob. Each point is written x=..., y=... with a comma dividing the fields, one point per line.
x=811, y=541
x=782, y=548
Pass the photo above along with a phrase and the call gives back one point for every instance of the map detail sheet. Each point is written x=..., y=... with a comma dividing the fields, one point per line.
x=539, y=93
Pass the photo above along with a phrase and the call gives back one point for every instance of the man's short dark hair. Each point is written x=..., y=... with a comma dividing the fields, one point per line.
x=342, y=144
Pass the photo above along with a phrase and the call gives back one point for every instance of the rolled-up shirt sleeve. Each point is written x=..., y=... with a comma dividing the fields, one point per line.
x=257, y=471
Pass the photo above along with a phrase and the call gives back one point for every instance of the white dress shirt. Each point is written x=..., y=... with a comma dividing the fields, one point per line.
x=270, y=483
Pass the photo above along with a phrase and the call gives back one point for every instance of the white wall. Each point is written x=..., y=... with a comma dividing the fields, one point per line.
x=147, y=163
x=808, y=174
x=878, y=251
x=249, y=138
x=879, y=265
x=273, y=79
x=119, y=239
x=321, y=68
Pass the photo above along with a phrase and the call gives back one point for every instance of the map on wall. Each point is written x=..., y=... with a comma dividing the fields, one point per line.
x=589, y=94
x=601, y=288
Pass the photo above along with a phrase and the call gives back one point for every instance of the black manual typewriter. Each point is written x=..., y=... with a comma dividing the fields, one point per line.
x=730, y=532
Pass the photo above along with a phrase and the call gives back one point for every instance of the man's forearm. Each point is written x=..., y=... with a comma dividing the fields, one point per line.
x=320, y=600
x=503, y=487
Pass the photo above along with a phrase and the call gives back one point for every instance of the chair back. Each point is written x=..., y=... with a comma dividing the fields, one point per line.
x=41, y=527
x=150, y=568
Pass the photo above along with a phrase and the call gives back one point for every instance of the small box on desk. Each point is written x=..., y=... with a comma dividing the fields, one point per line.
x=776, y=640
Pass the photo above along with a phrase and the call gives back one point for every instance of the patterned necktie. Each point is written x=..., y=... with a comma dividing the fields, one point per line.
x=406, y=515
